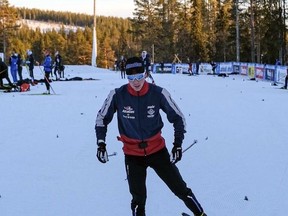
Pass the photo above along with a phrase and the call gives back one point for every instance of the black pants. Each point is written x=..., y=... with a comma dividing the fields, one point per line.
x=123, y=74
x=46, y=80
x=31, y=73
x=20, y=73
x=136, y=169
x=286, y=80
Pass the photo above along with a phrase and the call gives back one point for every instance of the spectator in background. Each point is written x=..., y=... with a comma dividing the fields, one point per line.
x=286, y=80
x=122, y=66
x=198, y=66
x=4, y=74
x=30, y=63
x=190, y=69
x=162, y=67
x=13, y=66
x=147, y=64
x=214, y=66
x=57, y=65
x=47, y=64
x=19, y=66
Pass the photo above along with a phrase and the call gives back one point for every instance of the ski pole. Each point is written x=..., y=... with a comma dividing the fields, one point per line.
x=187, y=148
x=113, y=154
x=3, y=71
x=47, y=79
x=194, y=142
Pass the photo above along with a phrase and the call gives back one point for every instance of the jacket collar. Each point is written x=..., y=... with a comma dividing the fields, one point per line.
x=142, y=92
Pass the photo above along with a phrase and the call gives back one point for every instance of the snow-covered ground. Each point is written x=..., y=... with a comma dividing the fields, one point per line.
x=47, y=148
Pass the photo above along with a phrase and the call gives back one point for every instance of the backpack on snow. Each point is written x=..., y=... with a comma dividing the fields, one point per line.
x=24, y=87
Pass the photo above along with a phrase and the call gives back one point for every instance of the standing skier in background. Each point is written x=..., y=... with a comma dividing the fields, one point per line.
x=30, y=63
x=147, y=64
x=19, y=66
x=138, y=106
x=122, y=65
x=58, y=64
x=13, y=66
x=47, y=64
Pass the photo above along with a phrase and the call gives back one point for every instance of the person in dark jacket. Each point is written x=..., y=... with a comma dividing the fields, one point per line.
x=147, y=64
x=138, y=106
x=19, y=66
x=286, y=81
x=30, y=63
x=122, y=65
x=58, y=65
x=4, y=74
x=214, y=66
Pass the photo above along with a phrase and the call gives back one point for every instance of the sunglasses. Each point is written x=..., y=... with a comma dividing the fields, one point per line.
x=137, y=77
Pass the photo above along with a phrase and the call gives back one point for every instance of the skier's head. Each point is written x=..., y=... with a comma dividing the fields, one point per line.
x=134, y=66
x=135, y=73
x=29, y=52
x=144, y=54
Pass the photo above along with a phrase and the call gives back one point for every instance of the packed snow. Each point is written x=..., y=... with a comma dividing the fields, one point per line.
x=239, y=167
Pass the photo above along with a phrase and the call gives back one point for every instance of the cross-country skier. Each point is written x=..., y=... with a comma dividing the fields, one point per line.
x=47, y=64
x=138, y=106
x=122, y=65
x=147, y=64
x=57, y=64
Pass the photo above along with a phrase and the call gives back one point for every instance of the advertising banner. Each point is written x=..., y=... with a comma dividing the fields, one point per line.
x=226, y=67
x=269, y=72
x=251, y=70
x=244, y=69
x=259, y=71
x=166, y=69
x=280, y=74
x=236, y=67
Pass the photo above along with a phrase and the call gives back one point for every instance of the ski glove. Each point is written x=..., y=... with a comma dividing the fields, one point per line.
x=176, y=153
x=102, y=155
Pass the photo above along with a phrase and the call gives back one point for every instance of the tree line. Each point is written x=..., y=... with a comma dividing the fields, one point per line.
x=192, y=30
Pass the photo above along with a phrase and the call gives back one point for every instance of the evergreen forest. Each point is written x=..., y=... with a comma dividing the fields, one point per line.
x=191, y=30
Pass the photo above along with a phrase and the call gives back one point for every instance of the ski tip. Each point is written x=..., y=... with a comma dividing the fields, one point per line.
x=184, y=214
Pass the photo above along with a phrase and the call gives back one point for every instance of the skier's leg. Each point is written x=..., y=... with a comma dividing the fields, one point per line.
x=170, y=174
x=136, y=176
x=46, y=79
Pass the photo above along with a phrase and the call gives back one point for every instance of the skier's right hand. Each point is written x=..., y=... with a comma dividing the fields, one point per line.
x=176, y=153
x=102, y=155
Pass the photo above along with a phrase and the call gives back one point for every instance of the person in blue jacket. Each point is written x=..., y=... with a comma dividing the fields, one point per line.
x=138, y=106
x=47, y=64
x=13, y=66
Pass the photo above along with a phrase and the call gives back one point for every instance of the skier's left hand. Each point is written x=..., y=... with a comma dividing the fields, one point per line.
x=176, y=153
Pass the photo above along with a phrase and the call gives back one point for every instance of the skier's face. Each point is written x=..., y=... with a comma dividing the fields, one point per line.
x=136, y=81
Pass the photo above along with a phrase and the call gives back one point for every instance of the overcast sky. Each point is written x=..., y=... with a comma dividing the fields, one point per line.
x=118, y=8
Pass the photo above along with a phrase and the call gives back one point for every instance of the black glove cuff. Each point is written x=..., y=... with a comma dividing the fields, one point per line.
x=177, y=144
x=101, y=144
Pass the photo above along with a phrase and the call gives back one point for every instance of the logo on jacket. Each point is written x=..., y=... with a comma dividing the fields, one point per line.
x=150, y=111
x=128, y=112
